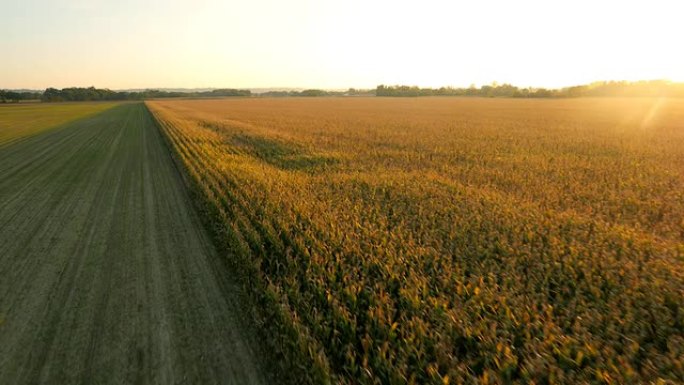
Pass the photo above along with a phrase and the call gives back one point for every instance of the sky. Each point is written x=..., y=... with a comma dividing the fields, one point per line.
x=336, y=44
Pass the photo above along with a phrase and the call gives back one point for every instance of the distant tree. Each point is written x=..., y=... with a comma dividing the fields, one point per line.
x=313, y=93
x=229, y=92
x=14, y=97
x=52, y=95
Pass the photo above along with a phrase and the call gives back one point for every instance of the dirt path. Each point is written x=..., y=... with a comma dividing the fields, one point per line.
x=106, y=276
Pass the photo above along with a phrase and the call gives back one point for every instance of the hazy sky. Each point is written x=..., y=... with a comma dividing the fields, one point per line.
x=336, y=44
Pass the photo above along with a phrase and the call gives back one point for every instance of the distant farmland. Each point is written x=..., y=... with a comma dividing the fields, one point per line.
x=450, y=240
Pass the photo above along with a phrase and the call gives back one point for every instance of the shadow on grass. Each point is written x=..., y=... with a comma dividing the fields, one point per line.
x=23, y=121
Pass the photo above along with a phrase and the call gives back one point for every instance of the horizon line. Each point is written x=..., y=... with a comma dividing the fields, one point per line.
x=493, y=84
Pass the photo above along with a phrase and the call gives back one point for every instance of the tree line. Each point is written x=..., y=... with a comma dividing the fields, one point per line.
x=649, y=88
x=17, y=96
x=317, y=93
x=82, y=94
x=99, y=94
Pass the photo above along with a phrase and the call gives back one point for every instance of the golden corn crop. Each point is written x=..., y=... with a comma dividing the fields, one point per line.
x=447, y=240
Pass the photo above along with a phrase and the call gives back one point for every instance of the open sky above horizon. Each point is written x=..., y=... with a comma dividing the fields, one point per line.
x=336, y=43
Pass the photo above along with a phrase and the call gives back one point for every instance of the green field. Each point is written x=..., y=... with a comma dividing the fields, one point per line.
x=18, y=121
x=107, y=276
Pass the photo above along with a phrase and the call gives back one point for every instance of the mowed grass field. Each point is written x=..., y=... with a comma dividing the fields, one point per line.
x=451, y=240
x=19, y=121
x=106, y=274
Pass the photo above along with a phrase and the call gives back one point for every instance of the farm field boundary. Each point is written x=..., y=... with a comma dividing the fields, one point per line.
x=289, y=356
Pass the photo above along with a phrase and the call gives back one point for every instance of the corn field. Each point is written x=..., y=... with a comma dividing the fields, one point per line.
x=447, y=240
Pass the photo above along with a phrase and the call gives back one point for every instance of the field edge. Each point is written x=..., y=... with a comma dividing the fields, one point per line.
x=290, y=360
